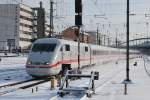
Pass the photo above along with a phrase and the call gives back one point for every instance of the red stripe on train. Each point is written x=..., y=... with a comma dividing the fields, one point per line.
x=61, y=62
x=56, y=64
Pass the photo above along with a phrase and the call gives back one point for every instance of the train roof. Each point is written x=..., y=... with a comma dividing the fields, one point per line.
x=62, y=41
x=56, y=40
x=46, y=40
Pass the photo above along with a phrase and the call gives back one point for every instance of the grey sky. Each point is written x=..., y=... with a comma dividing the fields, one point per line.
x=114, y=20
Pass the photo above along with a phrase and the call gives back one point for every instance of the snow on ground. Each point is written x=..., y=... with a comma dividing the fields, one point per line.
x=108, y=87
x=13, y=62
x=12, y=69
x=137, y=90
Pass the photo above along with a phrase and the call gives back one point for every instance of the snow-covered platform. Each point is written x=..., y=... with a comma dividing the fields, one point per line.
x=138, y=89
x=108, y=87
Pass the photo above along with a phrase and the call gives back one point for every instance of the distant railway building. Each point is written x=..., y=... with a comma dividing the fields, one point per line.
x=92, y=37
x=69, y=34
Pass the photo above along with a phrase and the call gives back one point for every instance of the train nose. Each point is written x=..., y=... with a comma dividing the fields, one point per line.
x=29, y=62
x=38, y=70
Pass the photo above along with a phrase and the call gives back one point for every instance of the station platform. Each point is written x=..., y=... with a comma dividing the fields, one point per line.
x=138, y=89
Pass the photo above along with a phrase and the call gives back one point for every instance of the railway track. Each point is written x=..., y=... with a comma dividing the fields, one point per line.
x=13, y=84
x=5, y=89
x=147, y=65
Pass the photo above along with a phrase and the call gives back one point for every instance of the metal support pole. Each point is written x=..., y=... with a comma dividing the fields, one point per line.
x=78, y=48
x=78, y=23
x=51, y=18
x=99, y=41
x=36, y=88
x=67, y=82
x=104, y=39
x=97, y=37
x=108, y=41
x=32, y=90
x=127, y=49
x=147, y=25
x=116, y=42
x=125, y=89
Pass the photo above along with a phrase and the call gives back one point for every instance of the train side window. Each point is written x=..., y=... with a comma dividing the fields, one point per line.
x=67, y=47
x=86, y=49
x=61, y=49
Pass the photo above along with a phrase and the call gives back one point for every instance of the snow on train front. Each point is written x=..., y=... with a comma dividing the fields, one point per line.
x=41, y=59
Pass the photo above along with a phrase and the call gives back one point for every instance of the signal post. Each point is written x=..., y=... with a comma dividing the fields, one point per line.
x=78, y=23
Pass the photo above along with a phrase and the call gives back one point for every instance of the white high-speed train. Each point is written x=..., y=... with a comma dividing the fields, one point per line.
x=52, y=56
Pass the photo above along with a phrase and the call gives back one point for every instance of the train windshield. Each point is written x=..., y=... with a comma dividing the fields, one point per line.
x=43, y=47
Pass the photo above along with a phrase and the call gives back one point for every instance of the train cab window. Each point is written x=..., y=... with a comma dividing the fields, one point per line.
x=42, y=47
x=86, y=49
x=67, y=47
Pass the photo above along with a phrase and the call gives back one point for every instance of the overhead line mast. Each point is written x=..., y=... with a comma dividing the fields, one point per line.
x=51, y=19
x=127, y=55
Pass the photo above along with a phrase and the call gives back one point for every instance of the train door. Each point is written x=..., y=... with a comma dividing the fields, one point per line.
x=66, y=54
x=88, y=55
x=66, y=64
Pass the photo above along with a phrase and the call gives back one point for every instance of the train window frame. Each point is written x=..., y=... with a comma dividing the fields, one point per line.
x=67, y=47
